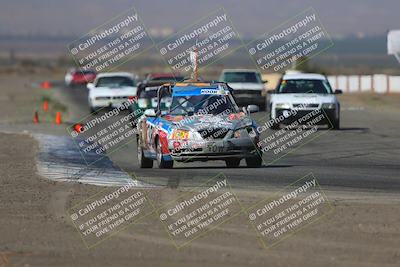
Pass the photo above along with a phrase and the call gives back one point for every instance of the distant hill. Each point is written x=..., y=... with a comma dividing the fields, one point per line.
x=347, y=55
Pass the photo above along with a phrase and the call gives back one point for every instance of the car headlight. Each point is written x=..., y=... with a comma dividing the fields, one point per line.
x=180, y=134
x=328, y=105
x=282, y=105
x=245, y=132
x=239, y=133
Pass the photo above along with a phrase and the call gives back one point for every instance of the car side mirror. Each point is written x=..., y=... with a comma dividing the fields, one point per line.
x=150, y=112
x=338, y=92
x=270, y=92
x=252, y=109
x=90, y=86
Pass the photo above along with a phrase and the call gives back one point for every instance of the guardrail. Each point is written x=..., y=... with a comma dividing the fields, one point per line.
x=378, y=83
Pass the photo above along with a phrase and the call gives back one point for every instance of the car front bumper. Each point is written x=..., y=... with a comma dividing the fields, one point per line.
x=214, y=150
x=249, y=97
x=110, y=102
x=328, y=115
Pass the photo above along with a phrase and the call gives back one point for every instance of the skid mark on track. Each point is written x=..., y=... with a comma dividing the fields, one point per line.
x=60, y=160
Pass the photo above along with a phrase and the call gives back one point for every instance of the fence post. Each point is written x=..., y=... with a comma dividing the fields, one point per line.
x=387, y=84
x=372, y=84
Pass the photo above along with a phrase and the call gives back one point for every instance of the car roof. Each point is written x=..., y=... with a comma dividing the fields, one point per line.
x=112, y=74
x=188, y=89
x=151, y=83
x=239, y=70
x=301, y=76
x=162, y=75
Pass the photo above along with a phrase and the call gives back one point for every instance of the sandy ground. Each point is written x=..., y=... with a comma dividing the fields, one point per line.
x=362, y=229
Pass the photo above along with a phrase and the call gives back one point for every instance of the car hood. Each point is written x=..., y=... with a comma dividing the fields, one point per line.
x=303, y=98
x=201, y=122
x=247, y=86
x=107, y=91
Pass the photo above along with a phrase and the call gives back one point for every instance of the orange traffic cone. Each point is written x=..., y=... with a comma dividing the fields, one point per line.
x=58, y=117
x=36, y=117
x=45, y=105
x=46, y=85
x=78, y=128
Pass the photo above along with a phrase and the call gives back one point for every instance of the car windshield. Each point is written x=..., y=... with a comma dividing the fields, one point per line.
x=85, y=72
x=148, y=93
x=203, y=104
x=168, y=79
x=302, y=86
x=242, y=77
x=115, y=82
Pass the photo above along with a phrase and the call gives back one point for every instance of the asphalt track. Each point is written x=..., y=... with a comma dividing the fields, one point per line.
x=364, y=155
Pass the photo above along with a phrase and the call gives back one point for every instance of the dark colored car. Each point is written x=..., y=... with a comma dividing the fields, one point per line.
x=165, y=77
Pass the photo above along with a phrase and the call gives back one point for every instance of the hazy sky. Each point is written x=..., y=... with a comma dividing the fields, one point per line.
x=251, y=17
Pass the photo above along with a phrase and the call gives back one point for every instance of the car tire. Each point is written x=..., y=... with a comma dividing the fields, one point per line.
x=336, y=124
x=162, y=164
x=232, y=163
x=254, y=162
x=144, y=162
x=274, y=126
x=133, y=123
x=263, y=107
x=93, y=110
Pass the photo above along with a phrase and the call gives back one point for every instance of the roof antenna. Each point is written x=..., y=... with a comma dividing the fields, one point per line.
x=194, y=61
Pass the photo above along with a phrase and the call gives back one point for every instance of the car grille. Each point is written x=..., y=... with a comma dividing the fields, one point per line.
x=213, y=133
x=250, y=92
x=305, y=105
x=120, y=97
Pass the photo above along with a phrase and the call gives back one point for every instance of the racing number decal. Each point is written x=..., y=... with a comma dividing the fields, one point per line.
x=214, y=148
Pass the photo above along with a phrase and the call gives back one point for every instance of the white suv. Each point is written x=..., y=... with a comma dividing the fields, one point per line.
x=301, y=93
x=111, y=90
x=247, y=85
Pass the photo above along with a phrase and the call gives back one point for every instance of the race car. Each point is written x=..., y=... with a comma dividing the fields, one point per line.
x=299, y=94
x=79, y=77
x=111, y=89
x=202, y=123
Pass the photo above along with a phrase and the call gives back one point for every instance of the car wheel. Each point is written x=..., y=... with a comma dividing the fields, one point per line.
x=274, y=126
x=162, y=164
x=143, y=161
x=232, y=163
x=93, y=110
x=254, y=162
x=133, y=123
x=336, y=124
